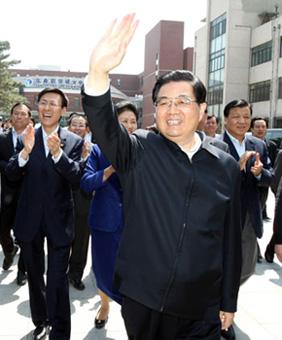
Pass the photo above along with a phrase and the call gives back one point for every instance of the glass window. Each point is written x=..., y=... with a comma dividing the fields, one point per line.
x=216, y=63
x=259, y=92
x=280, y=88
x=262, y=53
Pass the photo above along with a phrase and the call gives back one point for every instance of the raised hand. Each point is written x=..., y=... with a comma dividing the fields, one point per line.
x=244, y=159
x=86, y=149
x=54, y=144
x=257, y=167
x=110, y=51
x=28, y=140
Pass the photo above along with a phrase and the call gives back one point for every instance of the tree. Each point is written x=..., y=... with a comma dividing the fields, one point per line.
x=9, y=89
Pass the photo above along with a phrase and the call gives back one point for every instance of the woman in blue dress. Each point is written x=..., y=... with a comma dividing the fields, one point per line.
x=106, y=216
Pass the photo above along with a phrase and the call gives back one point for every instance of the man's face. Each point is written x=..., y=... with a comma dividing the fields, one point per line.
x=238, y=122
x=50, y=110
x=211, y=127
x=78, y=126
x=20, y=117
x=178, y=122
x=259, y=130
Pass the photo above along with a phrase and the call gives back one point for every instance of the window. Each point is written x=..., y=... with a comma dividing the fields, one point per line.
x=216, y=63
x=260, y=91
x=280, y=88
x=261, y=54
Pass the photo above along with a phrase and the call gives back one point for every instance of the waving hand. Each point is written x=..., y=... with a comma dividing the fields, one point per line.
x=110, y=51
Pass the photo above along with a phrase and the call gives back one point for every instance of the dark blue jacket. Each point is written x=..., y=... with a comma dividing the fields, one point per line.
x=106, y=206
x=46, y=193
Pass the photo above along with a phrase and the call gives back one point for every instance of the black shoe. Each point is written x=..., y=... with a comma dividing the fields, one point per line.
x=9, y=258
x=269, y=255
x=229, y=334
x=77, y=284
x=100, y=323
x=21, y=278
x=40, y=332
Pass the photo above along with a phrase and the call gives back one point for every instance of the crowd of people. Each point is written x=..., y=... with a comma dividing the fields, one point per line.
x=175, y=269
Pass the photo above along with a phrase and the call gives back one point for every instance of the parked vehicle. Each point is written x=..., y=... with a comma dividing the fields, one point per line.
x=275, y=135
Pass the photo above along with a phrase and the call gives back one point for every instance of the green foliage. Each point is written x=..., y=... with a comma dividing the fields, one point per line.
x=9, y=89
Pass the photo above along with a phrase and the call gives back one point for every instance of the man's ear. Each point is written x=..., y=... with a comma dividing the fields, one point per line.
x=203, y=107
x=63, y=112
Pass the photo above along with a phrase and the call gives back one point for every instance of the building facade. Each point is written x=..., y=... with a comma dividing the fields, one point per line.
x=123, y=87
x=238, y=54
x=163, y=52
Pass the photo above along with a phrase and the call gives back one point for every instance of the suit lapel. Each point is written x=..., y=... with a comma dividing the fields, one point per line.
x=10, y=144
x=249, y=144
x=62, y=133
x=232, y=149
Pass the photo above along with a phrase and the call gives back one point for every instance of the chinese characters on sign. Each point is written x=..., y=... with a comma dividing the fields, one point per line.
x=59, y=82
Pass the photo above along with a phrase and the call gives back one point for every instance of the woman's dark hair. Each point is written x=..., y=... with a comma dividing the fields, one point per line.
x=126, y=105
x=236, y=103
x=64, y=98
x=199, y=89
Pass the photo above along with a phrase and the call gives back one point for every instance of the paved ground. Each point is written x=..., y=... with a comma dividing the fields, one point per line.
x=258, y=318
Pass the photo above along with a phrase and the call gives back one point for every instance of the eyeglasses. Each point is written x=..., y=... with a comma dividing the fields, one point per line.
x=44, y=103
x=181, y=102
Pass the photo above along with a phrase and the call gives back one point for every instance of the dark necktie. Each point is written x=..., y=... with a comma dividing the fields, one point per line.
x=18, y=146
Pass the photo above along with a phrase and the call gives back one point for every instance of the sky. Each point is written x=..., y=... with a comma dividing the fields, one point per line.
x=64, y=32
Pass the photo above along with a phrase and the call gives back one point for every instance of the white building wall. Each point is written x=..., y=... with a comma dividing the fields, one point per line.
x=261, y=109
x=217, y=8
x=238, y=41
x=261, y=34
x=260, y=72
x=200, y=63
x=243, y=32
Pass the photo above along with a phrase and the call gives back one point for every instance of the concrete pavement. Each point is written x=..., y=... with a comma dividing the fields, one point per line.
x=259, y=315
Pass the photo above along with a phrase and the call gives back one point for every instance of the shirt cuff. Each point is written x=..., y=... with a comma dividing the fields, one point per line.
x=56, y=159
x=22, y=162
x=93, y=92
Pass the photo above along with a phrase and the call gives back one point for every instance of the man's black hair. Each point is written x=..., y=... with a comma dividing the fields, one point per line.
x=76, y=114
x=258, y=118
x=199, y=89
x=21, y=103
x=236, y=103
x=64, y=98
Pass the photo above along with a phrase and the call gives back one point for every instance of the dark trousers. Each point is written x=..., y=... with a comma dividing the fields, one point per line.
x=7, y=218
x=143, y=323
x=79, y=247
x=49, y=303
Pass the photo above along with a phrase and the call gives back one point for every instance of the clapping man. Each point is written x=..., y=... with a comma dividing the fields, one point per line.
x=48, y=165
